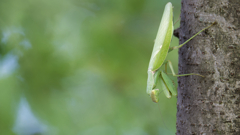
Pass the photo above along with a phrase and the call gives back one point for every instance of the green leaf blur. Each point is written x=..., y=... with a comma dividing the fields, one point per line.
x=80, y=68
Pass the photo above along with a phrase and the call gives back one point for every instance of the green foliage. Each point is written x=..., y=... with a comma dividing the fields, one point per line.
x=82, y=66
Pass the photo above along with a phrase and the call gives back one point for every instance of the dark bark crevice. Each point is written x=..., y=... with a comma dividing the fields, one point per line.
x=176, y=32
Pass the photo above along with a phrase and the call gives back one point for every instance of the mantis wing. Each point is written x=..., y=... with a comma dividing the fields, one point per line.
x=163, y=39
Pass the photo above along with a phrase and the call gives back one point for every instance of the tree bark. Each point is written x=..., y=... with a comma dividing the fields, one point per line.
x=209, y=105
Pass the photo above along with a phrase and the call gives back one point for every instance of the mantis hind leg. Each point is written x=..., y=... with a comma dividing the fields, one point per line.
x=173, y=73
x=177, y=47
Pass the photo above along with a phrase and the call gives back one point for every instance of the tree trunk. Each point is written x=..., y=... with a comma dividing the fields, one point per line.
x=209, y=105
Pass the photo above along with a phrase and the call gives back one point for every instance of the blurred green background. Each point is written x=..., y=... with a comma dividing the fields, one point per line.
x=79, y=67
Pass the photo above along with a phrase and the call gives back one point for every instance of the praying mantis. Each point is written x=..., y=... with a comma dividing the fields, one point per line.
x=160, y=50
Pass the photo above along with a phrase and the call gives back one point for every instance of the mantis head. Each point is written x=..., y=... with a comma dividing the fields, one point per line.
x=154, y=95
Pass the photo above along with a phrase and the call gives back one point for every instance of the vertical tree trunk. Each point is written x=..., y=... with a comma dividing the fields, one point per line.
x=209, y=105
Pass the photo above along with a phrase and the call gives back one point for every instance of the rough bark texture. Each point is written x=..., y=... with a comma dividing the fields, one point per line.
x=210, y=105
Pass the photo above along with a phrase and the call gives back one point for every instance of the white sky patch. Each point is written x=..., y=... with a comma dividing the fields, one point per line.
x=26, y=44
x=9, y=31
x=8, y=64
x=26, y=123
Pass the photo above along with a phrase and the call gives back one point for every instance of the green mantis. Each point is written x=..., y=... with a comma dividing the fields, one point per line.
x=160, y=50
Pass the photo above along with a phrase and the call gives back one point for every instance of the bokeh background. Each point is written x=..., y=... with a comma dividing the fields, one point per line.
x=79, y=67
